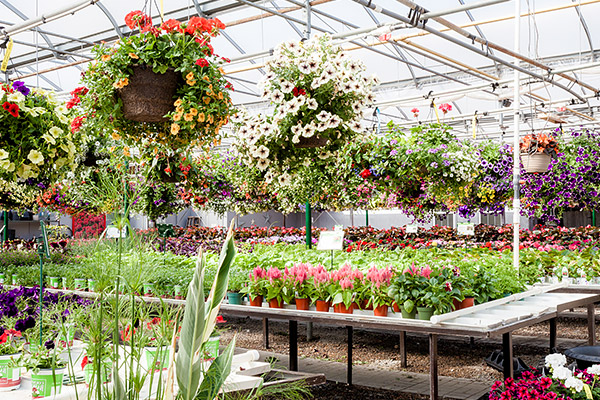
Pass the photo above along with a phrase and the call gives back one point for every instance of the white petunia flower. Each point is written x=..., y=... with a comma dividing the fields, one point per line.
x=293, y=107
x=304, y=67
x=3, y=154
x=277, y=96
x=262, y=152
x=35, y=157
x=284, y=179
x=323, y=116
x=561, y=373
x=574, y=383
x=296, y=139
x=15, y=97
x=262, y=164
x=287, y=87
x=312, y=104
x=593, y=370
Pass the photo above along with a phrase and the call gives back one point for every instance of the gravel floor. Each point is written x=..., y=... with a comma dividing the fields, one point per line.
x=340, y=391
x=457, y=357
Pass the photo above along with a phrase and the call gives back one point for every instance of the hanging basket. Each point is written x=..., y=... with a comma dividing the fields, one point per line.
x=148, y=96
x=311, y=142
x=536, y=162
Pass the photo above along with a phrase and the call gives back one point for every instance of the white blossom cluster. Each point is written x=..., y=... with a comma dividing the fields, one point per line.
x=556, y=362
x=317, y=91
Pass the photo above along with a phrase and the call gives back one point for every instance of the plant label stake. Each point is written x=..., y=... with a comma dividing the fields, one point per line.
x=43, y=251
x=331, y=240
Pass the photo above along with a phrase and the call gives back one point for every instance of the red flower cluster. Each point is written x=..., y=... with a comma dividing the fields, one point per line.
x=202, y=62
x=365, y=173
x=529, y=387
x=8, y=333
x=445, y=107
x=297, y=92
x=75, y=99
x=12, y=109
x=77, y=122
x=198, y=25
x=171, y=25
x=137, y=19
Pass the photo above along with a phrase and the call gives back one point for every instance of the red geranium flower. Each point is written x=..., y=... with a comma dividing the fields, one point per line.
x=445, y=107
x=202, y=62
x=365, y=173
x=171, y=25
x=137, y=19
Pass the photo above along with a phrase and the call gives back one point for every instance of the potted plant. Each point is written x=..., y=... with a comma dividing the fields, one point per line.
x=37, y=146
x=537, y=150
x=47, y=369
x=256, y=286
x=277, y=291
x=163, y=84
x=343, y=293
x=10, y=351
x=236, y=283
x=436, y=294
x=322, y=290
x=405, y=289
x=298, y=283
x=378, y=282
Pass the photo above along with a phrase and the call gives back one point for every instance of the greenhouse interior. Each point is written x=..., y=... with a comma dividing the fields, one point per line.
x=299, y=199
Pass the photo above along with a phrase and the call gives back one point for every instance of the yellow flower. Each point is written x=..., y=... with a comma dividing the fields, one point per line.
x=178, y=102
x=209, y=119
x=179, y=110
x=193, y=126
x=112, y=149
x=105, y=57
x=175, y=129
x=188, y=117
x=126, y=151
x=48, y=138
x=201, y=117
x=193, y=111
x=55, y=131
x=133, y=55
x=206, y=78
x=206, y=100
x=35, y=157
x=115, y=135
x=177, y=116
x=7, y=165
x=190, y=82
x=3, y=154
x=220, y=95
x=189, y=76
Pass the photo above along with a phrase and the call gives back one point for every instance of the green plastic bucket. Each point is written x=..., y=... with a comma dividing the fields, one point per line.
x=10, y=378
x=47, y=383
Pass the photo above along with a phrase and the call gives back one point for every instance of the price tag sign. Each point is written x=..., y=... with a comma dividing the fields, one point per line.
x=466, y=229
x=113, y=233
x=412, y=229
x=331, y=240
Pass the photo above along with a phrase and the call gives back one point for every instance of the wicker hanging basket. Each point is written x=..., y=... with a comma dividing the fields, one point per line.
x=148, y=96
x=536, y=162
x=311, y=142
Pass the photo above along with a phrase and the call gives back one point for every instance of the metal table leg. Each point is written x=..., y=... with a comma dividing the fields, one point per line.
x=433, y=367
x=552, y=335
x=591, y=311
x=266, y=332
x=403, y=362
x=349, y=369
x=507, y=352
x=293, y=345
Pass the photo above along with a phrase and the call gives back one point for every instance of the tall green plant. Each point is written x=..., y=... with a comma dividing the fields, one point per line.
x=198, y=323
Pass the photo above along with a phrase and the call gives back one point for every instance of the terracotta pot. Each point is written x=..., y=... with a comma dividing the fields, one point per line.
x=381, y=311
x=256, y=301
x=395, y=307
x=336, y=308
x=274, y=303
x=342, y=309
x=323, y=305
x=364, y=305
x=467, y=302
x=455, y=305
x=302, y=304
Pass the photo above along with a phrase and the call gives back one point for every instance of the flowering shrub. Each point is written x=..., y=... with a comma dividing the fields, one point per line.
x=318, y=93
x=562, y=383
x=87, y=226
x=36, y=146
x=202, y=103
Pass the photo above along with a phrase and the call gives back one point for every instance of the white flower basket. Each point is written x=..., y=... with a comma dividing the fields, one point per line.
x=536, y=162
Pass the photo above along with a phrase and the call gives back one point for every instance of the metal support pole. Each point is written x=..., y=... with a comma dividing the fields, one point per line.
x=308, y=222
x=349, y=368
x=308, y=19
x=5, y=231
x=266, y=333
x=433, y=367
x=552, y=323
x=593, y=218
x=293, y=345
x=516, y=152
x=366, y=217
x=41, y=255
x=591, y=311
x=309, y=331
x=403, y=362
x=507, y=352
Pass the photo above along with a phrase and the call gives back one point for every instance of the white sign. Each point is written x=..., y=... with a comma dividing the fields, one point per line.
x=338, y=228
x=331, y=240
x=113, y=233
x=412, y=229
x=466, y=229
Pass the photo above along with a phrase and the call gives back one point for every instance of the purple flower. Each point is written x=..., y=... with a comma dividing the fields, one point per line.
x=20, y=87
x=393, y=152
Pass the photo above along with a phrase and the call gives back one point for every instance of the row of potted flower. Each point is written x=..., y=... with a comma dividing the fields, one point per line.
x=426, y=290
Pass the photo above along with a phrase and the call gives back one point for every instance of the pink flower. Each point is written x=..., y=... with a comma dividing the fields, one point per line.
x=346, y=283
x=426, y=271
x=445, y=108
x=273, y=274
x=415, y=112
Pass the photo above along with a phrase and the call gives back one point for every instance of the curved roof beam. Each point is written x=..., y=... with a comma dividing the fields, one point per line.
x=586, y=30
x=478, y=29
x=110, y=18
x=24, y=17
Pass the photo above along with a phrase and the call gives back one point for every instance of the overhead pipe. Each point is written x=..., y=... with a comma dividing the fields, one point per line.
x=46, y=17
x=371, y=5
x=412, y=5
x=462, y=8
